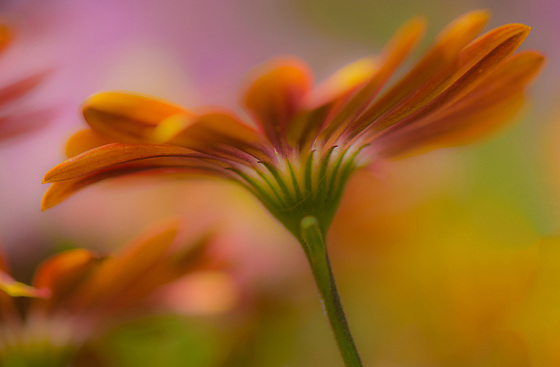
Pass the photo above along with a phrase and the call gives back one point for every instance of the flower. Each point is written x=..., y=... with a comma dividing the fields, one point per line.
x=306, y=145
x=76, y=295
x=14, y=124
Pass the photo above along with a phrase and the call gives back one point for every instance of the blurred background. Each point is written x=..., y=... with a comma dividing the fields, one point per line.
x=445, y=259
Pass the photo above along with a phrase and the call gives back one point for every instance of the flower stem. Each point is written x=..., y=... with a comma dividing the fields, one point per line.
x=314, y=245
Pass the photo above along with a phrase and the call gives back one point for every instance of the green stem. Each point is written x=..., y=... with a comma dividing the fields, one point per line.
x=314, y=245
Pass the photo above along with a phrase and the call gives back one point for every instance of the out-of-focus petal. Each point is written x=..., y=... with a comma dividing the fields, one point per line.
x=17, y=289
x=122, y=271
x=21, y=87
x=429, y=75
x=392, y=57
x=174, y=265
x=63, y=274
x=126, y=117
x=59, y=191
x=485, y=54
x=5, y=36
x=275, y=96
x=84, y=140
x=494, y=102
x=109, y=155
x=12, y=126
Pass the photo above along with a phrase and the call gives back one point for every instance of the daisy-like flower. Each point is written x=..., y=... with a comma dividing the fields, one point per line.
x=14, y=123
x=76, y=295
x=306, y=144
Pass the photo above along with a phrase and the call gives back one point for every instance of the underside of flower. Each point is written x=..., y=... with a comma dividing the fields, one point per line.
x=301, y=185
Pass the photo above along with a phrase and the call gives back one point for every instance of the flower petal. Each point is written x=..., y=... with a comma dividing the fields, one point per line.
x=109, y=155
x=344, y=81
x=13, y=126
x=430, y=74
x=21, y=87
x=395, y=53
x=5, y=36
x=329, y=95
x=220, y=134
x=275, y=96
x=63, y=274
x=126, y=268
x=84, y=140
x=60, y=191
x=495, y=101
x=126, y=117
x=485, y=54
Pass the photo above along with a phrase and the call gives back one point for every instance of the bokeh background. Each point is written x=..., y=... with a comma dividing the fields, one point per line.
x=446, y=259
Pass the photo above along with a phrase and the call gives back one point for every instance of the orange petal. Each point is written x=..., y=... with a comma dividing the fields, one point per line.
x=275, y=96
x=125, y=269
x=485, y=54
x=60, y=191
x=5, y=36
x=395, y=53
x=84, y=140
x=330, y=94
x=171, y=267
x=109, y=155
x=127, y=118
x=463, y=130
x=344, y=81
x=220, y=134
x=63, y=274
x=3, y=265
x=431, y=72
x=485, y=109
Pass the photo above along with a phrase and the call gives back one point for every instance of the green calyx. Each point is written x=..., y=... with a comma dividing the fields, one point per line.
x=306, y=185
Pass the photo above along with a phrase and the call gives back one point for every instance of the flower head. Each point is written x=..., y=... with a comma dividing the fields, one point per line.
x=76, y=295
x=307, y=143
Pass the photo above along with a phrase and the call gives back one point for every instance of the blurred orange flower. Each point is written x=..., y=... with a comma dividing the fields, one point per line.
x=307, y=144
x=14, y=124
x=78, y=294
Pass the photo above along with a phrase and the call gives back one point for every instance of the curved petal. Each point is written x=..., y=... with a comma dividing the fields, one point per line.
x=430, y=73
x=344, y=81
x=393, y=56
x=330, y=95
x=220, y=134
x=109, y=155
x=275, y=96
x=83, y=141
x=485, y=109
x=126, y=117
x=125, y=269
x=63, y=274
x=485, y=54
x=60, y=191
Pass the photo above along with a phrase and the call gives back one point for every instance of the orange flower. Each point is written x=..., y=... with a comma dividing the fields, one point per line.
x=77, y=294
x=307, y=144
x=14, y=124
